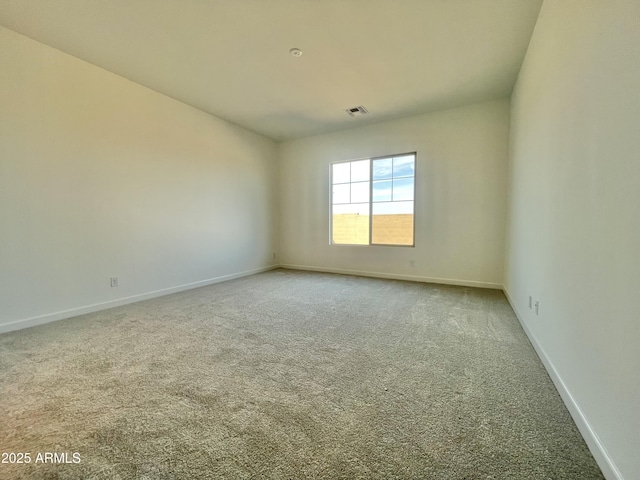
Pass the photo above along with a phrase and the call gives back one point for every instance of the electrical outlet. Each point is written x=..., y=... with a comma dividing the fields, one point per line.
x=530, y=302
x=412, y=263
x=114, y=281
x=273, y=255
x=537, y=306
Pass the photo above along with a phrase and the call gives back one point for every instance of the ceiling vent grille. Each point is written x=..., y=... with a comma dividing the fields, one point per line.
x=356, y=111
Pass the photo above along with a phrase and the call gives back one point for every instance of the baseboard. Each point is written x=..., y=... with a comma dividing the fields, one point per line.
x=72, y=312
x=598, y=450
x=396, y=276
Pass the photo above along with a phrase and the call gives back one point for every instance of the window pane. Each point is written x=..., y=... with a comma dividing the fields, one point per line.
x=403, y=189
x=350, y=224
x=392, y=223
x=404, y=166
x=383, y=188
x=341, y=172
x=357, y=208
x=360, y=192
x=341, y=193
x=392, y=208
x=382, y=191
x=382, y=169
x=360, y=171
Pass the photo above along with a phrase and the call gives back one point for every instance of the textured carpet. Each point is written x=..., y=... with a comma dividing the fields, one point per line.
x=289, y=375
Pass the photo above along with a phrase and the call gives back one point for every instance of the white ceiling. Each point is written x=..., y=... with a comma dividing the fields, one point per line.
x=231, y=57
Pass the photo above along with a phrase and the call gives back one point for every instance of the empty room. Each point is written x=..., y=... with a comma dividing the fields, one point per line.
x=330, y=239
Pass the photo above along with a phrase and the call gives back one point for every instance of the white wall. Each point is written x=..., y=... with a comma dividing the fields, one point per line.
x=102, y=177
x=460, y=196
x=574, y=216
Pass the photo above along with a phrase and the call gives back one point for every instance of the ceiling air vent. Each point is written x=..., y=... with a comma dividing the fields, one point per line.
x=355, y=111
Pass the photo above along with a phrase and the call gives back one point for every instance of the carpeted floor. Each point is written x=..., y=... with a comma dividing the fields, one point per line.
x=289, y=375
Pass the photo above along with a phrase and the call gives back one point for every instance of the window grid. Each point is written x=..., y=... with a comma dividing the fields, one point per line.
x=370, y=202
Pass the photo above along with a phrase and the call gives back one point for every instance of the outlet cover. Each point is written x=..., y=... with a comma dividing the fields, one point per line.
x=114, y=281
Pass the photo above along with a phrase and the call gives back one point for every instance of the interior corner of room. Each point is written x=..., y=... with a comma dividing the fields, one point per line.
x=112, y=192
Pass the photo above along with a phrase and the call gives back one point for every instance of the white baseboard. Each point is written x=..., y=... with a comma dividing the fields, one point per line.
x=598, y=450
x=72, y=312
x=396, y=276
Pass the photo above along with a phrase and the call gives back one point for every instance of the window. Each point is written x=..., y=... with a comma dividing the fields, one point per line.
x=372, y=201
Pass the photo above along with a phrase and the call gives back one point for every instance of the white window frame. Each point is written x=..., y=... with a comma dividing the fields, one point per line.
x=371, y=201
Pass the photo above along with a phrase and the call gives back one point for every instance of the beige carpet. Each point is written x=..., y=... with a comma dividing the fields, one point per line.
x=289, y=375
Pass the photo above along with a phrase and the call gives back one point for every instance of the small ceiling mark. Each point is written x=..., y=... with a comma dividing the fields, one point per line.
x=296, y=52
x=356, y=111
